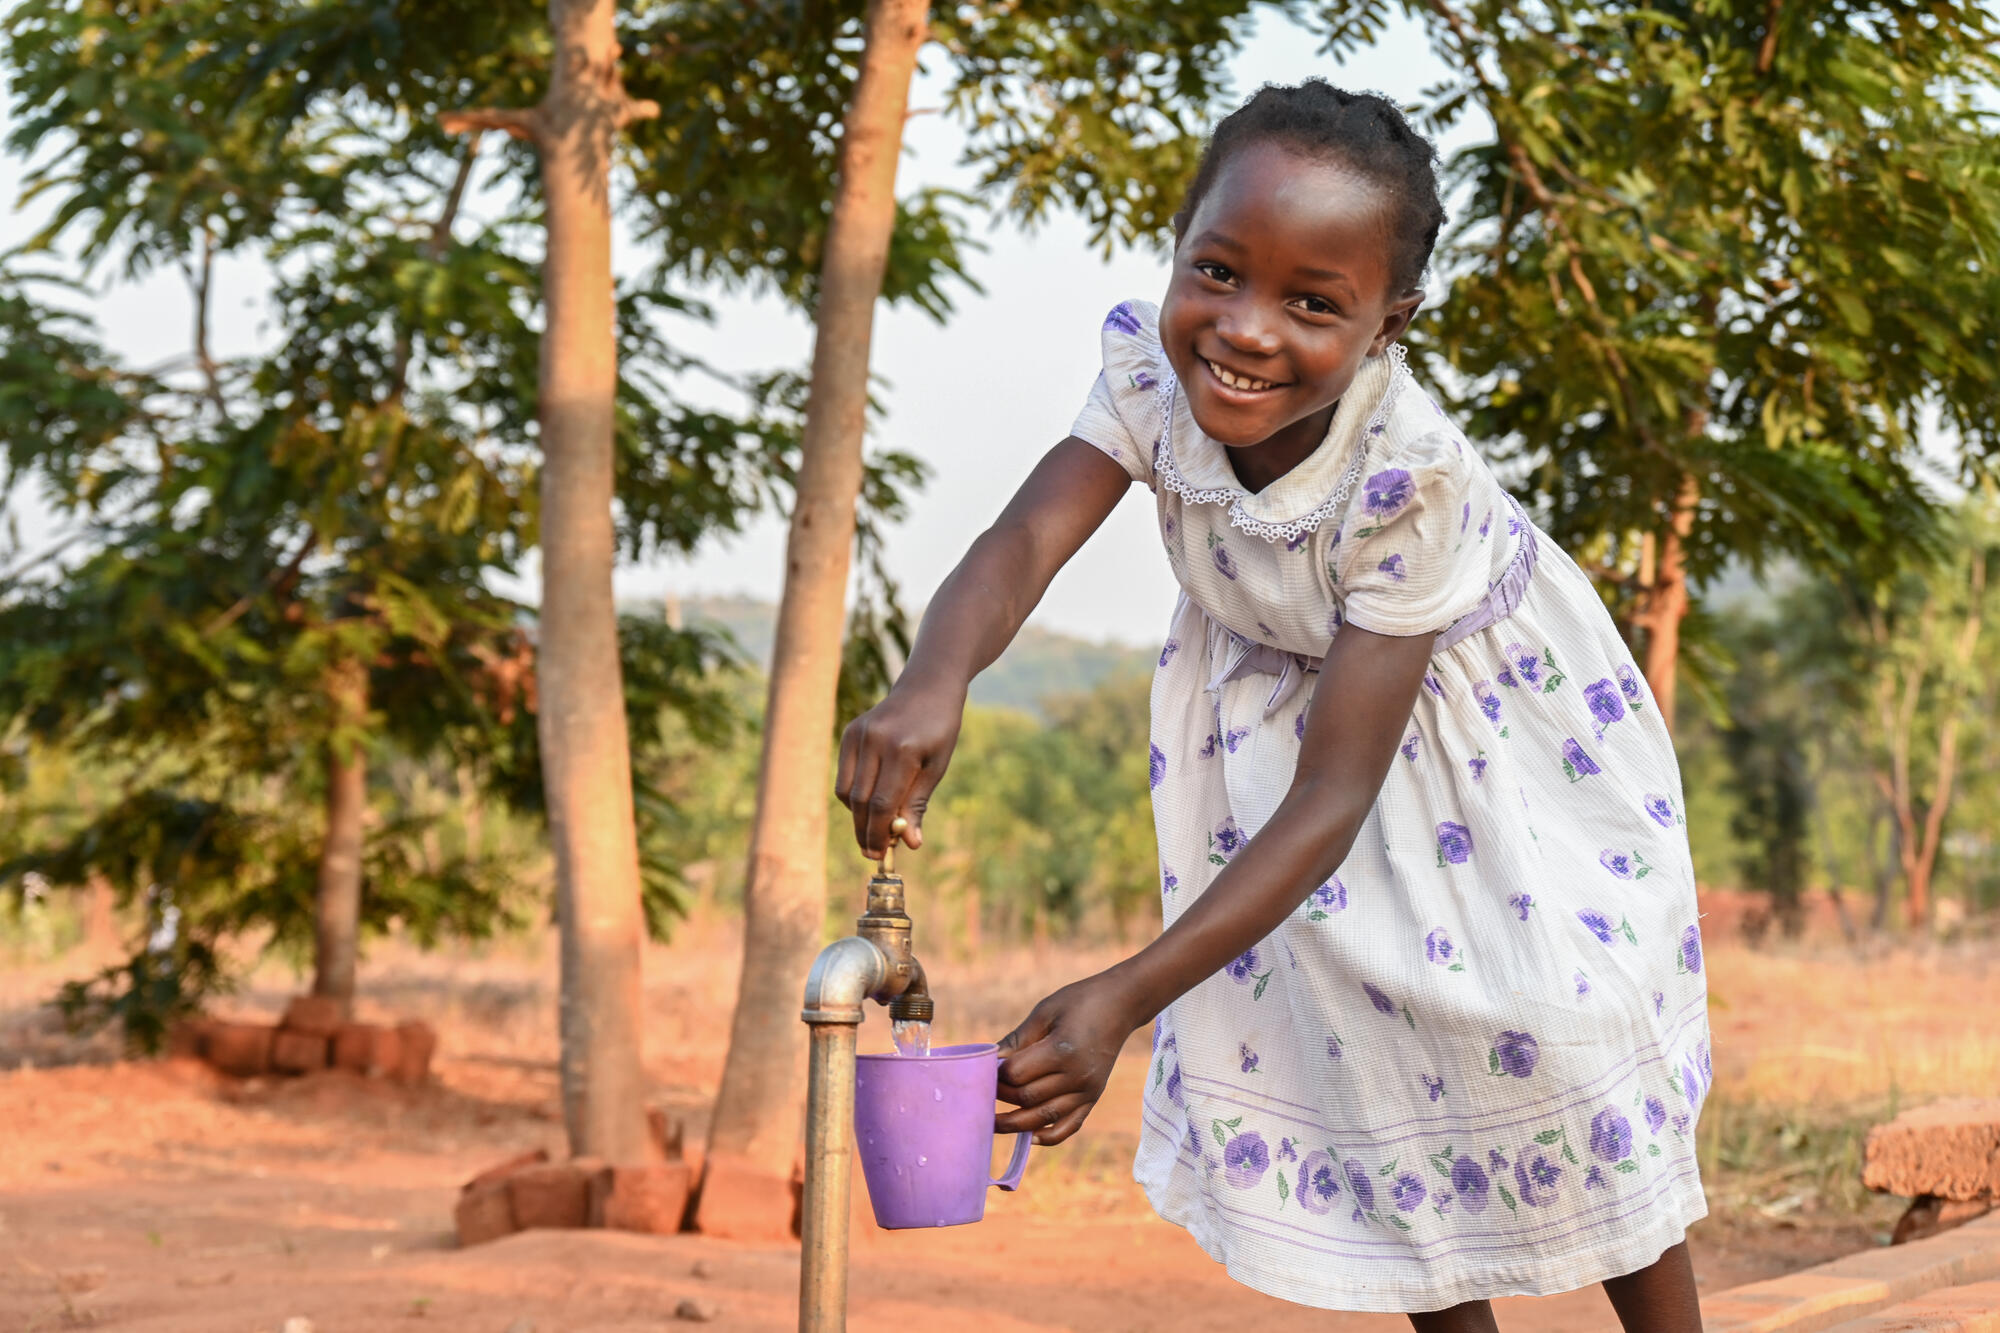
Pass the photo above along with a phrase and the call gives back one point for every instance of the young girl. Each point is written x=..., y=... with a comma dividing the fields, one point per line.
x=1429, y=1020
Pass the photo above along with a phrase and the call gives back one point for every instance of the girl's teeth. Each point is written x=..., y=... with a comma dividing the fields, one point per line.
x=1235, y=381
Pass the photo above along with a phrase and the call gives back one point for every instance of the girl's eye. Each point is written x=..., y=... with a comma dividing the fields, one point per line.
x=1318, y=305
x=1208, y=268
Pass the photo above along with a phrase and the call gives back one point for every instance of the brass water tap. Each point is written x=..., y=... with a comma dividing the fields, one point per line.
x=886, y=925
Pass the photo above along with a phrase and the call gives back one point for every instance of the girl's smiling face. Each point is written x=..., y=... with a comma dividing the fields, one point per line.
x=1282, y=286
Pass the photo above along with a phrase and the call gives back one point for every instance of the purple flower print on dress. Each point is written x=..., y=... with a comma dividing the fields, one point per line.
x=1157, y=767
x=1513, y=1053
x=1486, y=524
x=1506, y=677
x=1167, y=652
x=1478, y=766
x=1328, y=898
x=1299, y=726
x=1454, y=843
x=1536, y=1172
x=1659, y=1003
x=1409, y=747
x=1605, y=705
x=1225, y=842
x=1582, y=985
x=1245, y=1159
x=1286, y=1152
x=1244, y=968
x=1387, y=492
x=1527, y=661
x=1593, y=1178
x=1298, y=543
x=1235, y=738
x=1681, y=1122
x=1438, y=947
x=1610, y=1135
x=1408, y=1192
x=1617, y=862
x=1522, y=903
x=1359, y=1185
x=1661, y=809
x=1383, y=1004
x=1393, y=567
x=1169, y=881
x=1576, y=763
x=1174, y=1092
x=1628, y=685
x=1656, y=1114
x=1690, y=1086
x=1470, y=1184
x=1495, y=1161
x=1434, y=685
x=1249, y=1057
x=1319, y=1182
x=1122, y=318
x=1334, y=1046
x=1209, y=746
x=1465, y=519
x=1334, y=620
x=1597, y=923
x=1266, y=630
x=1142, y=380
x=1168, y=525
x=1489, y=702
x=1690, y=959
x=1433, y=1085
x=1224, y=563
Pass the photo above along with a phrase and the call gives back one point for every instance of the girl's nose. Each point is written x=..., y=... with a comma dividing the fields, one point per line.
x=1248, y=332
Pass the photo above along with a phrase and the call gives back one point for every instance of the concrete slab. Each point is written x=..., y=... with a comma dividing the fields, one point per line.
x=1834, y=1295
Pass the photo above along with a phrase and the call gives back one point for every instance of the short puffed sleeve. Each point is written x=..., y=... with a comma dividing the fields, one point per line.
x=1409, y=559
x=1126, y=409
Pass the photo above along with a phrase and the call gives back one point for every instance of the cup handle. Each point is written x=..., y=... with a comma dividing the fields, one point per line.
x=1010, y=1179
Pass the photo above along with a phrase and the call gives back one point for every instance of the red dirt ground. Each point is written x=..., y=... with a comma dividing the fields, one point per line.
x=157, y=1197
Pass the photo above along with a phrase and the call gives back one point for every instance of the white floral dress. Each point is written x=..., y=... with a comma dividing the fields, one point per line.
x=1469, y=1064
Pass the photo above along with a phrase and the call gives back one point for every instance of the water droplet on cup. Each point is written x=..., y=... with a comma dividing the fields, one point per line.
x=923, y=1161
x=937, y=1094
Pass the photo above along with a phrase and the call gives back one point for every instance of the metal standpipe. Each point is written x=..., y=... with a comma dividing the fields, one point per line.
x=875, y=963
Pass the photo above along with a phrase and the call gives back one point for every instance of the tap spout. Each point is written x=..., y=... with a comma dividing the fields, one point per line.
x=914, y=1002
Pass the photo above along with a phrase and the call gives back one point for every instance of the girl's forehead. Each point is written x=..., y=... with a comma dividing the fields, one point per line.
x=1278, y=203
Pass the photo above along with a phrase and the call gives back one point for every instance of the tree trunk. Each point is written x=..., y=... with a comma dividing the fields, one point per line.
x=337, y=902
x=757, y=1112
x=586, y=766
x=1667, y=602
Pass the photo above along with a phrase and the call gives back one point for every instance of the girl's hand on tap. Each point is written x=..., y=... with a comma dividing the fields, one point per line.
x=891, y=759
x=1058, y=1061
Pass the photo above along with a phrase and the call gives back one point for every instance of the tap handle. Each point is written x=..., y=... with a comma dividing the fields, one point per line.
x=887, y=865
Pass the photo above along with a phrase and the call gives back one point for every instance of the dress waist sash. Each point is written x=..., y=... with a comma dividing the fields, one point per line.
x=1233, y=657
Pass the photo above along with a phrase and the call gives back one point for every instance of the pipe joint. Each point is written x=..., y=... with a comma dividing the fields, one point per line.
x=845, y=974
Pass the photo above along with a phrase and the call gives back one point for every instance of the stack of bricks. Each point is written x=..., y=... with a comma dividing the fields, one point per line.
x=1945, y=1158
x=531, y=1191
x=314, y=1034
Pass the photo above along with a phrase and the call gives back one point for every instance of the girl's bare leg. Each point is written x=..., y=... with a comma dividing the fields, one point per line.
x=1471, y=1317
x=1659, y=1298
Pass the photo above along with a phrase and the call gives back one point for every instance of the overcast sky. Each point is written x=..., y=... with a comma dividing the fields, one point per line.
x=980, y=399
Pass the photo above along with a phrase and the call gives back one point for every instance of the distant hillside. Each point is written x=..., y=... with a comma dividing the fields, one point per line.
x=1040, y=663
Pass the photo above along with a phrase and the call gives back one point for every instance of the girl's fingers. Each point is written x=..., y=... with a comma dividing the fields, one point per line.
x=1065, y=1126
x=867, y=766
x=1043, y=1089
x=1033, y=1058
x=1038, y=1119
x=885, y=801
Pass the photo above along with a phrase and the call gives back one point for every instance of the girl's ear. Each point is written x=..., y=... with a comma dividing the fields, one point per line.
x=1399, y=317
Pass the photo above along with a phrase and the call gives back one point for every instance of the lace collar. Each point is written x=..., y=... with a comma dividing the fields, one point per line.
x=1299, y=501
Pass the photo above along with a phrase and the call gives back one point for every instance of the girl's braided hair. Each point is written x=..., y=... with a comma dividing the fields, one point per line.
x=1362, y=131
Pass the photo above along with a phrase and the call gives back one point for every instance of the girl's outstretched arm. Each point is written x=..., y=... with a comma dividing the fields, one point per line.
x=892, y=756
x=1060, y=1057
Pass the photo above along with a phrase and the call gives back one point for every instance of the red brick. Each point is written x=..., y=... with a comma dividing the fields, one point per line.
x=651, y=1198
x=745, y=1200
x=484, y=1214
x=554, y=1194
x=1949, y=1149
x=367, y=1048
x=416, y=1043
x=320, y=1015
x=493, y=1175
x=297, y=1052
x=239, y=1049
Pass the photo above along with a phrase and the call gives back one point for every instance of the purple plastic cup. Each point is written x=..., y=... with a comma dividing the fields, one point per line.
x=923, y=1125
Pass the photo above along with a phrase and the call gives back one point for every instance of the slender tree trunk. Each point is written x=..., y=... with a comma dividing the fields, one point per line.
x=586, y=766
x=757, y=1111
x=1667, y=602
x=337, y=902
